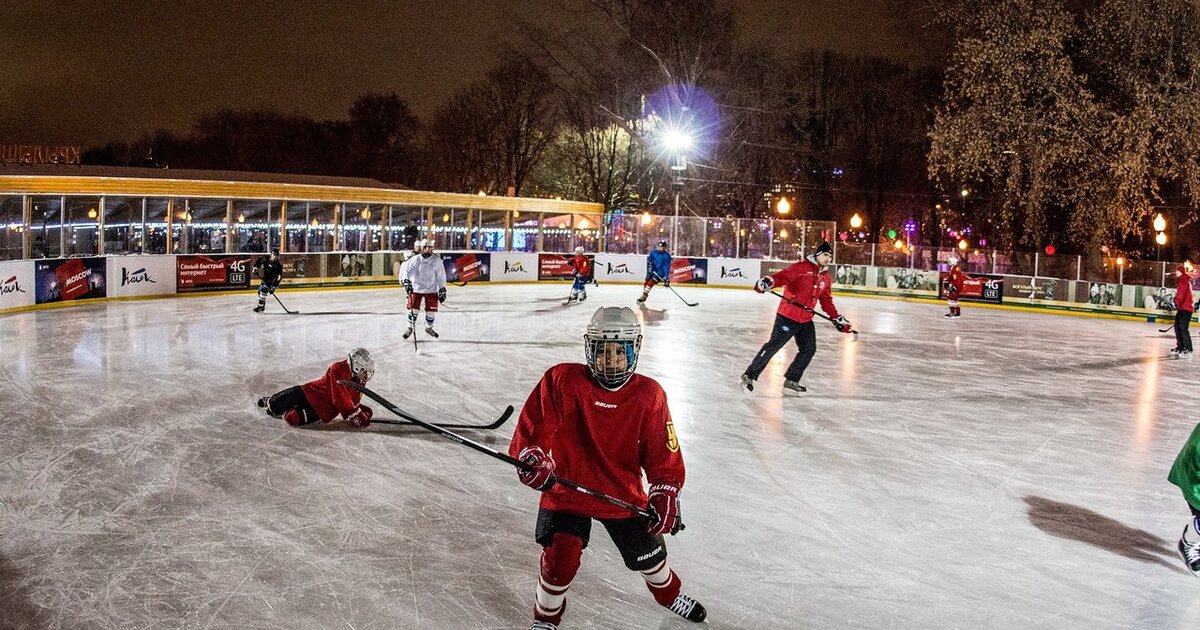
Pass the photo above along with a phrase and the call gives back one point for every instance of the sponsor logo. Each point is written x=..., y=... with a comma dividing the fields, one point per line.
x=732, y=272
x=77, y=277
x=620, y=268
x=672, y=440
x=647, y=556
x=605, y=405
x=516, y=267
x=11, y=286
x=141, y=275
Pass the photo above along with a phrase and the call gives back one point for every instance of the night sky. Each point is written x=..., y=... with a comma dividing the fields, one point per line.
x=88, y=72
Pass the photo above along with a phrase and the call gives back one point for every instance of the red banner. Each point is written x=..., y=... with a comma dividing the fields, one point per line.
x=469, y=267
x=200, y=273
x=72, y=279
x=554, y=267
x=983, y=288
x=681, y=270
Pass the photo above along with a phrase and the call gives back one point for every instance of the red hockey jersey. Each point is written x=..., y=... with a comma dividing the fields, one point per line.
x=1183, y=290
x=329, y=398
x=805, y=282
x=600, y=439
x=955, y=277
x=582, y=266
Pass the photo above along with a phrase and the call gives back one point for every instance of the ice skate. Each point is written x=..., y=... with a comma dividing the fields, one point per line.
x=949, y=315
x=262, y=402
x=1175, y=352
x=260, y=308
x=543, y=625
x=408, y=333
x=431, y=332
x=747, y=383
x=794, y=386
x=582, y=297
x=1190, y=552
x=641, y=299
x=688, y=608
x=1185, y=354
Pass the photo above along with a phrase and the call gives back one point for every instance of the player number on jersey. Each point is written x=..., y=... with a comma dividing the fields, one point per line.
x=672, y=441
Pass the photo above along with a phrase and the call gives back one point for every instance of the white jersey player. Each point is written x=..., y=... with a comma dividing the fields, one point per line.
x=424, y=280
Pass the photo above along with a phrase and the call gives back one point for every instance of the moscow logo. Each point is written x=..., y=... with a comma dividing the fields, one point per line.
x=138, y=276
x=513, y=267
x=11, y=286
x=733, y=272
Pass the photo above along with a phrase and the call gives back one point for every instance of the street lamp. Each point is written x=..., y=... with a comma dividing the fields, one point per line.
x=1160, y=226
x=783, y=206
x=677, y=141
x=856, y=221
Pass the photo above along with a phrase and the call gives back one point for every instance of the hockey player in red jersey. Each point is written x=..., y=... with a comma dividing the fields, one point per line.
x=325, y=398
x=581, y=269
x=953, y=285
x=601, y=425
x=804, y=283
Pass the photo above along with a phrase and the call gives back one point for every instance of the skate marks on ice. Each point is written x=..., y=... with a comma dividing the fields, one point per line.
x=17, y=609
x=1063, y=520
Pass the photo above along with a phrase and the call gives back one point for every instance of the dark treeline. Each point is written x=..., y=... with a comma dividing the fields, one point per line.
x=1035, y=108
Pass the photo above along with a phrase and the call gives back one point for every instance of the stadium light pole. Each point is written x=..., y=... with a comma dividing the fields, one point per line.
x=677, y=142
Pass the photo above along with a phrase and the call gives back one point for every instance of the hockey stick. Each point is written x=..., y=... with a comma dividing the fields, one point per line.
x=498, y=455
x=663, y=280
x=1168, y=328
x=285, y=309
x=821, y=315
x=483, y=427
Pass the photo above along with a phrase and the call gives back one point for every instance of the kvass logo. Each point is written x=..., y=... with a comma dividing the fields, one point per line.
x=138, y=276
x=513, y=267
x=11, y=286
x=733, y=272
x=621, y=268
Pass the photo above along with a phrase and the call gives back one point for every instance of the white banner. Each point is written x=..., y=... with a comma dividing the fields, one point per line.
x=514, y=267
x=141, y=275
x=16, y=284
x=733, y=272
x=621, y=268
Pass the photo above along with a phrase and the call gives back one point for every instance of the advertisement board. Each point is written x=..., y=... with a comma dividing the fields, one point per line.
x=733, y=272
x=554, y=267
x=66, y=279
x=514, y=267
x=467, y=267
x=141, y=275
x=16, y=284
x=976, y=288
x=213, y=273
x=620, y=268
x=689, y=270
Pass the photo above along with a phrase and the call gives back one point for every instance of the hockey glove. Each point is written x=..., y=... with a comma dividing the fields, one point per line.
x=667, y=282
x=407, y=284
x=664, y=505
x=539, y=473
x=952, y=290
x=442, y=294
x=764, y=284
x=842, y=324
x=361, y=416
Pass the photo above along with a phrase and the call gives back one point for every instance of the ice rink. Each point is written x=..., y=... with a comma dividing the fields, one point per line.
x=1005, y=470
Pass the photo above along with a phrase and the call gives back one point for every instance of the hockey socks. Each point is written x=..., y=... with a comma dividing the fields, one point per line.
x=560, y=562
x=665, y=586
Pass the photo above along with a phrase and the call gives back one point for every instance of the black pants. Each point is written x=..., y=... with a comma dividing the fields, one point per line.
x=640, y=550
x=786, y=329
x=289, y=399
x=1183, y=337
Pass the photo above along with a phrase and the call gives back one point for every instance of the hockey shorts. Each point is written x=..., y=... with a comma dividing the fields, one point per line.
x=639, y=548
x=430, y=299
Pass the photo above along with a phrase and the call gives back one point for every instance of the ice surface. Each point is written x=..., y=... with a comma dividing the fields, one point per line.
x=1005, y=470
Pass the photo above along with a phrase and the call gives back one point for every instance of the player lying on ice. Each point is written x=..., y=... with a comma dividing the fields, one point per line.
x=324, y=399
x=601, y=425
